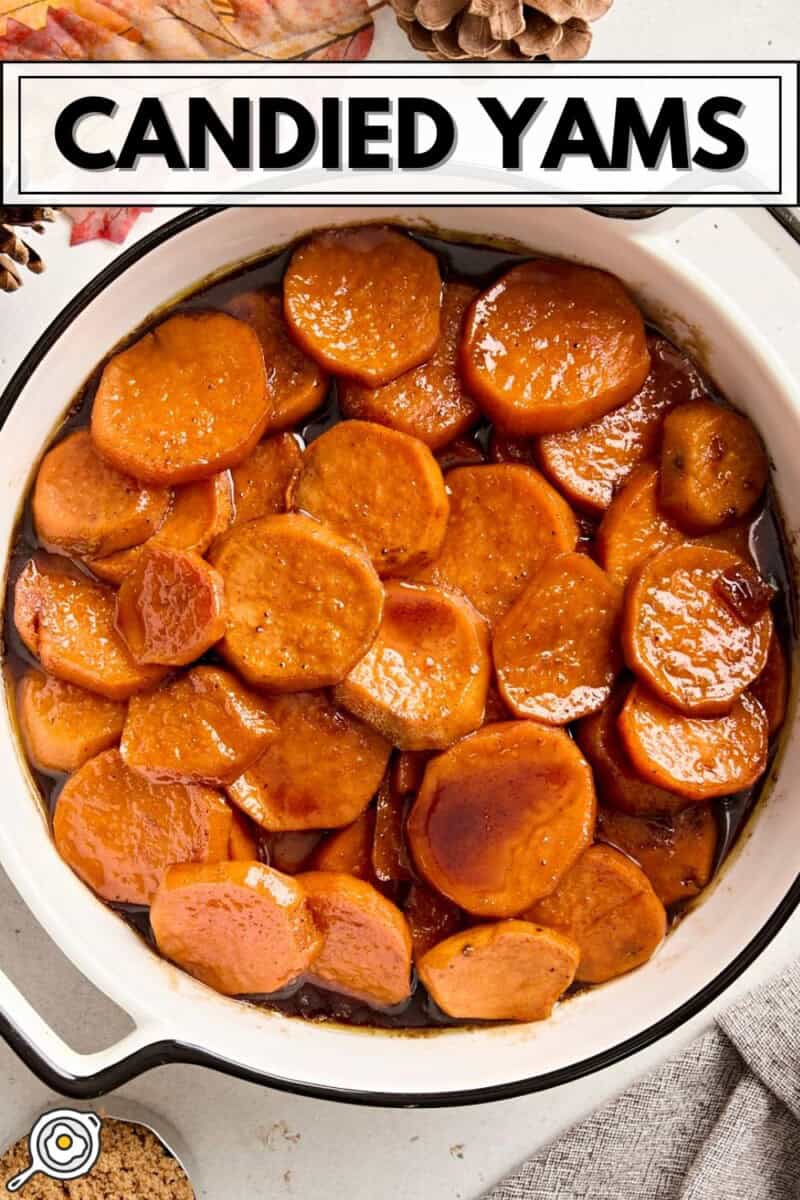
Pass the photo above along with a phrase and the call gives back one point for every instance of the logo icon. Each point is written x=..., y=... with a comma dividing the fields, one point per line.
x=63, y=1144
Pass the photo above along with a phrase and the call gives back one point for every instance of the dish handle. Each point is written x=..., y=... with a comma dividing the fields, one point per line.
x=64, y=1070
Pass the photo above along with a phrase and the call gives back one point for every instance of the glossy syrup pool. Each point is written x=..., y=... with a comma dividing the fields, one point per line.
x=480, y=265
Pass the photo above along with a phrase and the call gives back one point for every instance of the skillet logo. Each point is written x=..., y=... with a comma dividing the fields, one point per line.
x=64, y=1144
x=685, y=135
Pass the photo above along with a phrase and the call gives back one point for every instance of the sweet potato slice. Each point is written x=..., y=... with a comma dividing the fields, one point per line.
x=771, y=688
x=320, y=772
x=183, y=402
x=67, y=621
x=697, y=758
x=171, y=608
x=590, y=464
x=713, y=466
x=304, y=604
x=296, y=385
x=423, y=681
x=364, y=303
x=504, y=971
x=430, y=402
x=408, y=770
x=634, y=528
x=381, y=488
x=431, y=918
x=505, y=522
x=120, y=833
x=618, y=783
x=502, y=816
x=556, y=653
x=241, y=928
x=243, y=843
x=675, y=852
x=607, y=905
x=62, y=725
x=200, y=512
x=203, y=727
x=83, y=506
x=389, y=851
x=683, y=640
x=261, y=483
x=366, y=948
x=292, y=852
x=553, y=345
x=348, y=850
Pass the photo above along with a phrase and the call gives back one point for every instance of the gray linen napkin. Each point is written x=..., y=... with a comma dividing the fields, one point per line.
x=719, y=1122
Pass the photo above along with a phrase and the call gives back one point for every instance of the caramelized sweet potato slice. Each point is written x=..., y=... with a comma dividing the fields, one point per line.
x=183, y=402
x=502, y=816
x=504, y=971
x=423, y=681
x=348, y=850
x=120, y=833
x=321, y=771
x=366, y=947
x=67, y=621
x=683, y=640
x=430, y=402
x=292, y=852
x=364, y=302
x=243, y=842
x=675, y=852
x=239, y=927
x=553, y=345
x=83, y=506
x=591, y=463
x=261, y=483
x=296, y=385
x=713, y=466
x=200, y=512
x=431, y=918
x=505, y=522
x=607, y=905
x=171, y=608
x=202, y=727
x=381, y=488
x=617, y=780
x=408, y=770
x=304, y=604
x=389, y=852
x=771, y=688
x=556, y=653
x=62, y=725
x=697, y=758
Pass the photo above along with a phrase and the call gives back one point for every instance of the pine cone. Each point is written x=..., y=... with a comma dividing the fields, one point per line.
x=14, y=252
x=502, y=30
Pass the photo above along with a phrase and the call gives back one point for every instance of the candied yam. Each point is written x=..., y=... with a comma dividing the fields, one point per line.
x=320, y=772
x=713, y=466
x=408, y=769
x=120, y=832
x=241, y=928
x=83, y=506
x=430, y=402
x=389, y=851
x=676, y=852
x=634, y=528
x=381, y=488
x=696, y=757
x=171, y=608
x=364, y=302
x=296, y=385
x=261, y=483
x=771, y=688
x=183, y=402
x=504, y=971
x=348, y=850
x=423, y=681
x=366, y=946
x=683, y=640
x=505, y=522
x=591, y=463
x=303, y=603
x=551, y=346
x=607, y=905
x=746, y=594
x=243, y=843
x=556, y=652
x=62, y=725
x=431, y=918
x=202, y=727
x=293, y=851
x=67, y=621
x=501, y=816
x=617, y=780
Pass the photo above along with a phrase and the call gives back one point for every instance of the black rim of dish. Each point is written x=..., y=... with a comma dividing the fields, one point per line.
x=174, y=1051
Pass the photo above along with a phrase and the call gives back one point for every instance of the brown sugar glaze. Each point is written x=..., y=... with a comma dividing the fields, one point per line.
x=479, y=265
